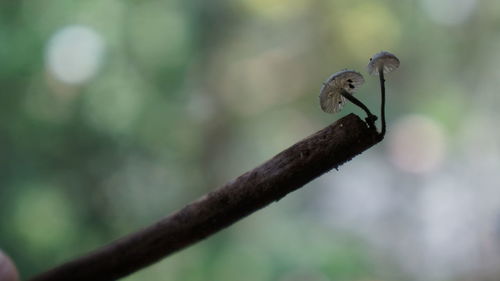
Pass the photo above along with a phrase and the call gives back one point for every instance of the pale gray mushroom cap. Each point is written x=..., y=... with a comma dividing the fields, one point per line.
x=382, y=60
x=330, y=99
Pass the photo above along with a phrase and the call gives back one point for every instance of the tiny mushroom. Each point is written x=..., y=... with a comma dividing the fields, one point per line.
x=330, y=97
x=382, y=61
x=341, y=87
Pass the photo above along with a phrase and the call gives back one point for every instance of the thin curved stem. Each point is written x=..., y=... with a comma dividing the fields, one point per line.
x=371, y=118
x=382, y=106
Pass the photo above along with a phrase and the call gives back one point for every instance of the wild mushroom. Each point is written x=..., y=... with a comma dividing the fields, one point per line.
x=339, y=87
x=380, y=63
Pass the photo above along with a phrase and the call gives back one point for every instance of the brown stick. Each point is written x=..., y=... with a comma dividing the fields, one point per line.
x=271, y=181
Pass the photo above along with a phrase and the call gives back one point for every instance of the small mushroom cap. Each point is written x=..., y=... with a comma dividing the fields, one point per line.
x=383, y=60
x=330, y=98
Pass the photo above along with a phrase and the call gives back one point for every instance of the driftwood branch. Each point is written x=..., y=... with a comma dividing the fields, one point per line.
x=271, y=181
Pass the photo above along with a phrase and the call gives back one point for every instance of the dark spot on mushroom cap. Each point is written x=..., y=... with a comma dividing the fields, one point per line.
x=349, y=80
x=351, y=86
x=340, y=102
x=371, y=59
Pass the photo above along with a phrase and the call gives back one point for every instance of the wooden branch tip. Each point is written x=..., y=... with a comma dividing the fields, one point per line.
x=287, y=171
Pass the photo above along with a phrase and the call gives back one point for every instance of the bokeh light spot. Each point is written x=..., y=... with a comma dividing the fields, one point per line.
x=158, y=36
x=74, y=54
x=275, y=9
x=48, y=215
x=113, y=106
x=262, y=80
x=417, y=144
x=367, y=25
x=449, y=12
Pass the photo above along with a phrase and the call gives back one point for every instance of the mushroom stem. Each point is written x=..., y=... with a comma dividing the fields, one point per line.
x=382, y=106
x=371, y=118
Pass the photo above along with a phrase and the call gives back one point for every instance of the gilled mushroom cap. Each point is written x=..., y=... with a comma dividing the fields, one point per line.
x=330, y=99
x=382, y=60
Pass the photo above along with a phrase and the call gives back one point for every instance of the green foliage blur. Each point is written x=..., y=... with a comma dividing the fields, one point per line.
x=115, y=113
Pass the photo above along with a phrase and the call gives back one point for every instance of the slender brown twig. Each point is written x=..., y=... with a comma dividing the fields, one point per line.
x=269, y=182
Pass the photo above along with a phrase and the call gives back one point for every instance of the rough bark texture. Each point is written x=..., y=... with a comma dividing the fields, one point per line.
x=271, y=181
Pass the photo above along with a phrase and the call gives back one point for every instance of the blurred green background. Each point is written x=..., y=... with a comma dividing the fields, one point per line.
x=115, y=113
